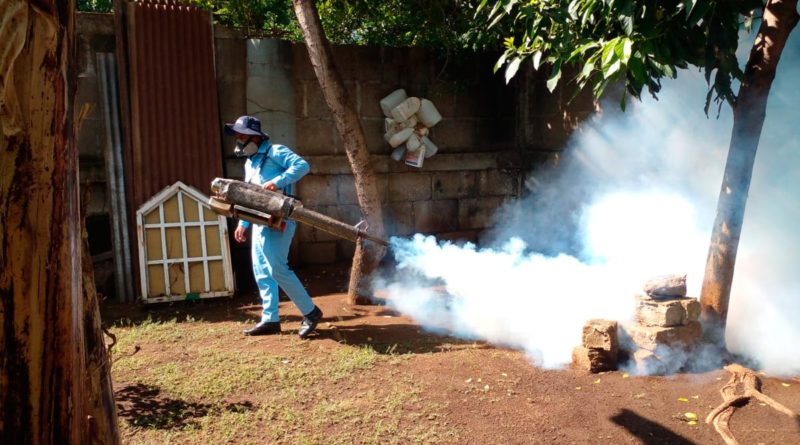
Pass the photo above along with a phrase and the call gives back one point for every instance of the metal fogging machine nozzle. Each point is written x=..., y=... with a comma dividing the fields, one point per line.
x=250, y=202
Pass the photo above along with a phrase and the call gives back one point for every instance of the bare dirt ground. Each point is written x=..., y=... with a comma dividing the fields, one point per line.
x=374, y=376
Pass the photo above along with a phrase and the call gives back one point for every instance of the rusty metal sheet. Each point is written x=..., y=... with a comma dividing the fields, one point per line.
x=174, y=119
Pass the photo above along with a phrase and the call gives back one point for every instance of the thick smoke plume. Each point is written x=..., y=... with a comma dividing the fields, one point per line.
x=633, y=196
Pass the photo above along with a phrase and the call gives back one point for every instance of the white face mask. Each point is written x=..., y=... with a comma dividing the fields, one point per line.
x=243, y=149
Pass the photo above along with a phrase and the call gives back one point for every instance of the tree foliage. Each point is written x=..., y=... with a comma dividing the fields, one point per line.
x=637, y=42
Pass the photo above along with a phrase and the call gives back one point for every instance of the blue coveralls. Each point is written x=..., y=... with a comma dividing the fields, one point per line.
x=270, y=247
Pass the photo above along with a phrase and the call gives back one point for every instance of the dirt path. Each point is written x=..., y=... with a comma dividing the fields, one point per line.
x=373, y=376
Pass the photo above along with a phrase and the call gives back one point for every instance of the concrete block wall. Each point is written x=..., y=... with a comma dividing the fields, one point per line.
x=455, y=193
x=491, y=134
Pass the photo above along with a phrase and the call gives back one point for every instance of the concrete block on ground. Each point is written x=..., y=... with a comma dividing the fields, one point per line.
x=593, y=360
x=666, y=286
x=692, y=308
x=647, y=363
x=601, y=334
x=651, y=337
x=664, y=313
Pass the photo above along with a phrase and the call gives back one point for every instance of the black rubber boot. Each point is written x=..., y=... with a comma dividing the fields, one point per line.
x=309, y=323
x=264, y=328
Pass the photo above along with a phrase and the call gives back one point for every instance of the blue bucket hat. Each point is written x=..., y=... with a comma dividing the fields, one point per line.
x=246, y=125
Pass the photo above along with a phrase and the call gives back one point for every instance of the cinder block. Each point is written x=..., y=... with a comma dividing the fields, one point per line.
x=477, y=213
x=647, y=363
x=398, y=218
x=593, y=360
x=601, y=334
x=316, y=190
x=314, y=105
x=651, y=337
x=498, y=183
x=301, y=64
x=448, y=185
x=409, y=187
x=373, y=133
x=461, y=161
x=692, y=308
x=663, y=313
x=318, y=253
x=454, y=134
x=346, y=186
x=436, y=216
x=316, y=137
x=370, y=95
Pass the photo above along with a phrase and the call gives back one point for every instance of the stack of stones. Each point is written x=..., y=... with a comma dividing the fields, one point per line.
x=600, y=347
x=666, y=327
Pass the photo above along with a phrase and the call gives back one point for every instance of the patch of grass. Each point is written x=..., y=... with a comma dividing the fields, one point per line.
x=348, y=360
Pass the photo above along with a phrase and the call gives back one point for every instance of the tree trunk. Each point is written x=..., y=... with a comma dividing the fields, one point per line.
x=368, y=254
x=779, y=18
x=101, y=410
x=41, y=340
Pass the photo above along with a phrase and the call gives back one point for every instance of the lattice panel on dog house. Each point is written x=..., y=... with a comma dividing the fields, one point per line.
x=183, y=247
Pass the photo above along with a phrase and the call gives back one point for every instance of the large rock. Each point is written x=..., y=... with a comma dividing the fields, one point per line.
x=666, y=286
x=593, y=360
x=692, y=308
x=666, y=312
x=663, y=313
x=601, y=334
x=650, y=337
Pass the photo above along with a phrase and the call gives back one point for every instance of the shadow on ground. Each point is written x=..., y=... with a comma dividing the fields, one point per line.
x=649, y=432
x=144, y=406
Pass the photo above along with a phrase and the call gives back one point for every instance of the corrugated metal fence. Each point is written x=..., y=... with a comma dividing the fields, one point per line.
x=174, y=119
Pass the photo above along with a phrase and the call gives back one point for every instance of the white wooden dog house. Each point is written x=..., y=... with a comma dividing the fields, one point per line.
x=184, y=252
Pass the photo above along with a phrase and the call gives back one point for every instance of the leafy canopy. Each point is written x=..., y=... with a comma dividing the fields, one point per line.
x=636, y=42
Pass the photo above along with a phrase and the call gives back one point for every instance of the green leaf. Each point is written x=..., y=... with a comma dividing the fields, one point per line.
x=582, y=49
x=537, y=58
x=512, y=68
x=500, y=61
x=627, y=50
x=689, y=5
x=627, y=24
x=555, y=75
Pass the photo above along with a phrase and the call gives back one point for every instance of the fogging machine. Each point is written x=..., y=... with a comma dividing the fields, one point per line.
x=250, y=202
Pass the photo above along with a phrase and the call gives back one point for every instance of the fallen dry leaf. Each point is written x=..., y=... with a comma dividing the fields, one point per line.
x=683, y=399
x=597, y=381
x=786, y=384
x=690, y=416
x=626, y=375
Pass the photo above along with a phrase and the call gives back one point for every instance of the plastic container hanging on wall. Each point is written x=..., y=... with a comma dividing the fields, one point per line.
x=428, y=114
x=416, y=158
x=406, y=109
x=430, y=147
x=413, y=143
x=401, y=136
x=394, y=99
x=398, y=153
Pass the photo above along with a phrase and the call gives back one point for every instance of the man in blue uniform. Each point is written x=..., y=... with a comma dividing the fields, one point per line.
x=276, y=168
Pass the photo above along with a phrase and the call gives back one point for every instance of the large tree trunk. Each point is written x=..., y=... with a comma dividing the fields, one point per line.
x=368, y=254
x=101, y=410
x=779, y=18
x=41, y=340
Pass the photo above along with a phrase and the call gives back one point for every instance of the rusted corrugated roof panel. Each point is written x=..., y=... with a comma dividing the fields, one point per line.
x=173, y=96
